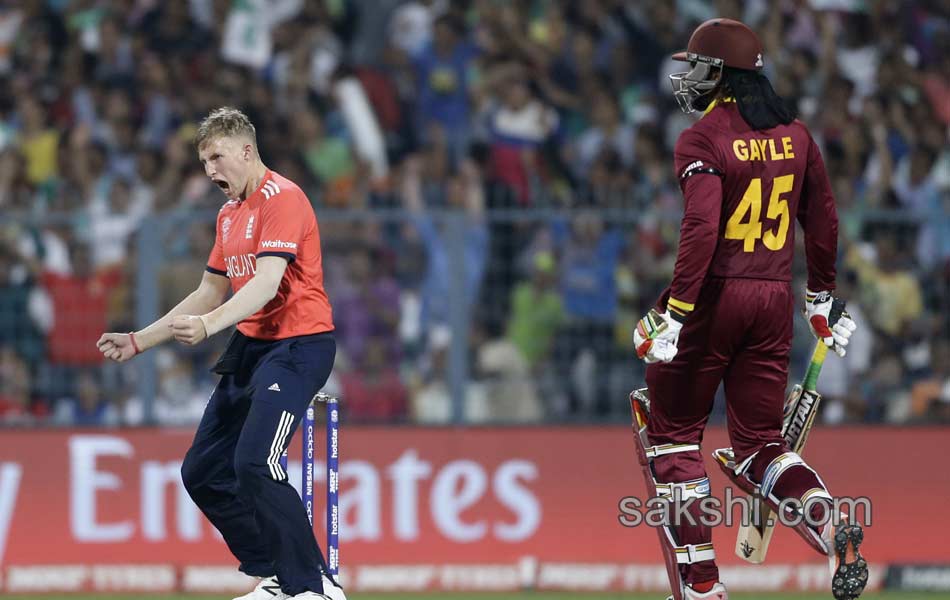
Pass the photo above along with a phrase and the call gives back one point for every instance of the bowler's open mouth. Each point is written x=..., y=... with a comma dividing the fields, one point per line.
x=222, y=184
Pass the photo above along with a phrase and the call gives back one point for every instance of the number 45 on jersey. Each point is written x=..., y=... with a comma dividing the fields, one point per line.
x=750, y=207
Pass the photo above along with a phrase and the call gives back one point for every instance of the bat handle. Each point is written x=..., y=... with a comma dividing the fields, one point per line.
x=821, y=350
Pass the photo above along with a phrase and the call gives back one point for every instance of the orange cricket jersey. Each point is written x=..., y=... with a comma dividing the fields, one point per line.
x=276, y=220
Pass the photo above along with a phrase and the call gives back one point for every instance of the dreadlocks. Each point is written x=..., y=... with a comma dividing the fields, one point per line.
x=758, y=103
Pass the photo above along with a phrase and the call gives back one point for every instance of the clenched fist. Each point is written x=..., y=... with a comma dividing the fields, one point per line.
x=188, y=329
x=117, y=346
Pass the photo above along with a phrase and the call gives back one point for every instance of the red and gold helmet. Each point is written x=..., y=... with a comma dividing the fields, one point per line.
x=715, y=44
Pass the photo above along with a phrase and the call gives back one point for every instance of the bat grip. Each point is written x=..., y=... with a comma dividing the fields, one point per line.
x=821, y=350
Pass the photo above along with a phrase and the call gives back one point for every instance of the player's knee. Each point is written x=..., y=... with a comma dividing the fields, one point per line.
x=249, y=471
x=762, y=459
x=683, y=466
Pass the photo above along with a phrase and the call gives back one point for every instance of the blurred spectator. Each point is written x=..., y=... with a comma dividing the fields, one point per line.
x=443, y=75
x=367, y=310
x=431, y=397
x=16, y=405
x=39, y=141
x=181, y=395
x=410, y=266
x=80, y=301
x=20, y=309
x=375, y=391
x=537, y=312
x=410, y=28
x=519, y=126
x=554, y=104
x=114, y=217
x=607, y=132
x=589, y=255
x=504, y=387
x=90, y=406
x=470, y=229
x=930, y=396
x=327, y=156
x=186, y=259
x=887, y=397
x=890, y=291
x=17, y=194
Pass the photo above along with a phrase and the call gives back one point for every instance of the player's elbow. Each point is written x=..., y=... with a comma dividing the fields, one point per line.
x=703, y=233
x=273, y=284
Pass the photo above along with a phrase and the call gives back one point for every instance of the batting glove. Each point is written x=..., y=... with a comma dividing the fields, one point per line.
x=656, y=336
x=817, y=312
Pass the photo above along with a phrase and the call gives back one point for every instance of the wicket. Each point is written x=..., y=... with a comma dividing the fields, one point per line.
x=333, y=474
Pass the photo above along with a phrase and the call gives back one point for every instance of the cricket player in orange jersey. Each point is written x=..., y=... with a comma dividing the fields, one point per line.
x=267, y=252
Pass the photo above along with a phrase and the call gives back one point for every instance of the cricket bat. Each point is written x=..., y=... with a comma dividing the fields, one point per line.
x=801, y=407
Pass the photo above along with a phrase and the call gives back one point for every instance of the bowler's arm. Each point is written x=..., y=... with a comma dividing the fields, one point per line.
x=208, y=296
x=255, y=294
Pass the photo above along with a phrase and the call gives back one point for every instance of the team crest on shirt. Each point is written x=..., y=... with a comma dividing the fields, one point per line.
x=249, y=230
x=225, y=228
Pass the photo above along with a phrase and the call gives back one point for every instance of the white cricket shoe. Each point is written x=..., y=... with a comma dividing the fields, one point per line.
x=267, y=589
x=331, y=591
x=718, y=592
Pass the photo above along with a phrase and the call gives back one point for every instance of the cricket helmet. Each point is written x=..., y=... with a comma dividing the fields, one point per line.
x=715, y=44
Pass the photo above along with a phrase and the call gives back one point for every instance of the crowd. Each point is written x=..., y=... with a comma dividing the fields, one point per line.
x=490, y=176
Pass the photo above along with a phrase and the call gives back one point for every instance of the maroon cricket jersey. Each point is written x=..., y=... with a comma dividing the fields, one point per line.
x=742, y=188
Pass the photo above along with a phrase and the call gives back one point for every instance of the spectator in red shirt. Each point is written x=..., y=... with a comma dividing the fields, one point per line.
x=374, y=392
x=80, y=305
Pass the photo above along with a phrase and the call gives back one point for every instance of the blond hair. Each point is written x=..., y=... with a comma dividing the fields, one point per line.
x=225, y=121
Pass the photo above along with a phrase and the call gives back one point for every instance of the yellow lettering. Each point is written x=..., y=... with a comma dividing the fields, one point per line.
x=787, y=146
x=750, y=204
x=754, y=151
x=775, y=155
x=741, y=150
x=750, y=207
x=778, y=209
x=763, y=147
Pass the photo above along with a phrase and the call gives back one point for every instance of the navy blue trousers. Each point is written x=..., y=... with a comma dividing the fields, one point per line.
x=232, y=470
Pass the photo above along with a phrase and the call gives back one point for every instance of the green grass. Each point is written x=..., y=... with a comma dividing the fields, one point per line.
x=493, y=596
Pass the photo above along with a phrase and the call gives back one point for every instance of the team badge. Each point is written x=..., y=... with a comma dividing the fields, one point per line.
x=225, y=228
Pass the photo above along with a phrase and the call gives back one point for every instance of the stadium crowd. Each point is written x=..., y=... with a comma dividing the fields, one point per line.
x=519, y=151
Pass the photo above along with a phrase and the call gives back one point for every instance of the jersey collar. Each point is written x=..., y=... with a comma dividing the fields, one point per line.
x=716, y=102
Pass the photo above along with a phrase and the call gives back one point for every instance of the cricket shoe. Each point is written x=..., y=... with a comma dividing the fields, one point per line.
x=849, y=570
x=331, y=591
x=718, y=592
x=267, y=589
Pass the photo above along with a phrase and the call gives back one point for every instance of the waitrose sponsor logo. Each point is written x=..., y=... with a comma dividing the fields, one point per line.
x=279, y=244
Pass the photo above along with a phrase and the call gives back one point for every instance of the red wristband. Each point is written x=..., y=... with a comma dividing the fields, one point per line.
x=134, y=345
